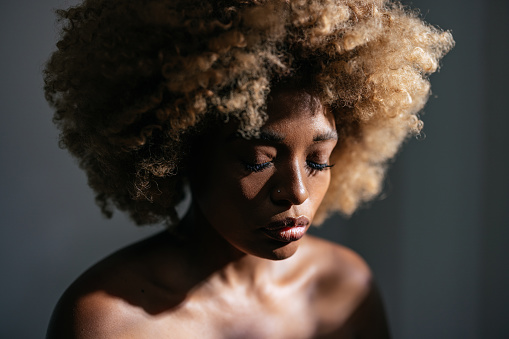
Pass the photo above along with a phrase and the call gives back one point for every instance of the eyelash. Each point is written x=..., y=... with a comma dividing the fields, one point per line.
x=257, y=167
x=317, y=167
x=312, y=166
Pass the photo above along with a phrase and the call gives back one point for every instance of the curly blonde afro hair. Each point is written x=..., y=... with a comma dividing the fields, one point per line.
x=133, y=80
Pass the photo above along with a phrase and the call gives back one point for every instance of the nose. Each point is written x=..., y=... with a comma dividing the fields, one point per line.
x=290, y=188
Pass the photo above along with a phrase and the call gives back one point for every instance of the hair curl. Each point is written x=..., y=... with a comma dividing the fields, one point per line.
x=132, y=79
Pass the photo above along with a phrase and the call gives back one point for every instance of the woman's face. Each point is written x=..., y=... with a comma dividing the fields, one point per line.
x=261, y=194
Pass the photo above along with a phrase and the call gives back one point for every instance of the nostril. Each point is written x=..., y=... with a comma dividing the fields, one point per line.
x=291, y=194
x=290, y=184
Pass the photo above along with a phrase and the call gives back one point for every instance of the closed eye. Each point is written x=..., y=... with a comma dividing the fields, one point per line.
x=315, y=166
x=311, y=165
x=257, y=167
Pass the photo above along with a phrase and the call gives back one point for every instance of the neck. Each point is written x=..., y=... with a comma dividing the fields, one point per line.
x=212, y=255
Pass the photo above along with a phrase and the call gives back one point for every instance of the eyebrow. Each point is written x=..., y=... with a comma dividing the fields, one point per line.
x=273, y=136
x=264, y=135
x=329, y=135
x=277, y=137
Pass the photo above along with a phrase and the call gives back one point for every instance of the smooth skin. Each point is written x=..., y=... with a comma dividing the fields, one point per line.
x=223, y=277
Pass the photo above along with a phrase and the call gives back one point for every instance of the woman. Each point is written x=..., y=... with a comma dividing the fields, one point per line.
x=274, y=114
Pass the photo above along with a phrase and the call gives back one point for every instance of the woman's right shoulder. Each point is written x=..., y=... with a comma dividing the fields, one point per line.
x=113, y=298
x=88, y=314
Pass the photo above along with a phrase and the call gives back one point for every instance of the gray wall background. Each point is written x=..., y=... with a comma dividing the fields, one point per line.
x=438, y=240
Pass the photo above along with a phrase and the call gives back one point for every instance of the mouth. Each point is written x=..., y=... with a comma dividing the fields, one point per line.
x=287, y=230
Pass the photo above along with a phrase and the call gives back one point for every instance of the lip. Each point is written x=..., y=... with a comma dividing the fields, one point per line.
x=288, y=229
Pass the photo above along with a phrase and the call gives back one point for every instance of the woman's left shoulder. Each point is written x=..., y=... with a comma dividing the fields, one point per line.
x=340, y=262
x=346, y=298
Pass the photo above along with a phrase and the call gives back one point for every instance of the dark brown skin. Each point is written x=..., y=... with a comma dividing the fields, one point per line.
x=224, y=277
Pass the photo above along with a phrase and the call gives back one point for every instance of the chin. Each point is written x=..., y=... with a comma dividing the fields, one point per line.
x=280, y=253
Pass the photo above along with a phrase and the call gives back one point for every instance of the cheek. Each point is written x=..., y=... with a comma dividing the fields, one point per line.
x=211, y=187
x=207, y=179
x=254, y=185
x=319, y=187
x=222, y=187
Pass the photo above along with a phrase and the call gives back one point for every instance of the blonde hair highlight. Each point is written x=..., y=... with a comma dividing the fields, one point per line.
x=132, y=79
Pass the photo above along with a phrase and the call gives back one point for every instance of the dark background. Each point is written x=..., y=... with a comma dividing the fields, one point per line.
x=437, y=240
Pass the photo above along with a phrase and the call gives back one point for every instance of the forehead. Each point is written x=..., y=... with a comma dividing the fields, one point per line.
x=289, y=110
x=297, y=100
x=290, y=104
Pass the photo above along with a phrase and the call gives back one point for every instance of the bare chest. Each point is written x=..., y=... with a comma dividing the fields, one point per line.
x=238, y=315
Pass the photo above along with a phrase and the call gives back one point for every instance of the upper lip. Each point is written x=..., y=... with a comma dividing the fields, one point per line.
x=288, y=222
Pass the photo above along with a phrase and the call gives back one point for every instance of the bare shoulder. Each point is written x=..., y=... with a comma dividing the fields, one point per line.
x=92, y=315
x=340, y=262
x=347, y=300
x=113, y=299
x=101, y=303
x=341, y=272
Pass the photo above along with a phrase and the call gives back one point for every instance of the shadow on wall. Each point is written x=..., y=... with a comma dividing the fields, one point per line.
x=439, y=241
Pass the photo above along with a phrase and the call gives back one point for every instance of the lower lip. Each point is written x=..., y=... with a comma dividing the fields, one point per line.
x=286, y=234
